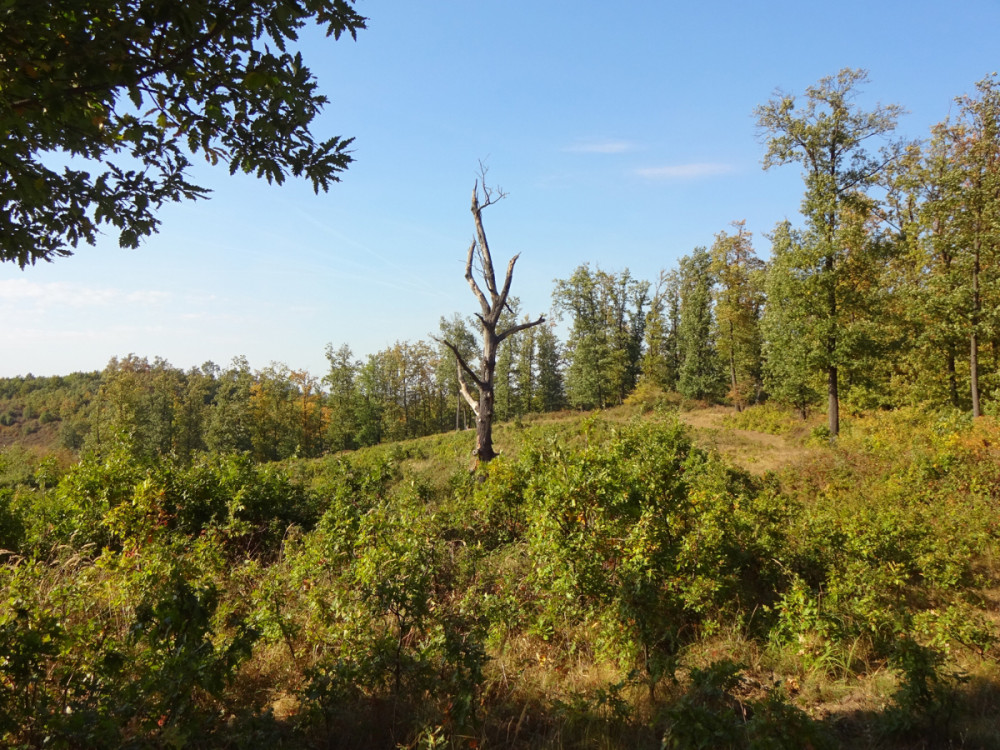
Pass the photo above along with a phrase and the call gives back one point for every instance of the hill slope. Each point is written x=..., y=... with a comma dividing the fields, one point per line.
x=607, y=582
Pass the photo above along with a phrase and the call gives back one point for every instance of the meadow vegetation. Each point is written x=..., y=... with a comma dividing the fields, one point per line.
x=611, y=580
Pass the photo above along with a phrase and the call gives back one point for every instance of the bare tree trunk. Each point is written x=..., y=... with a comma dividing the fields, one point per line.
x=492, y=303
x=487, y=399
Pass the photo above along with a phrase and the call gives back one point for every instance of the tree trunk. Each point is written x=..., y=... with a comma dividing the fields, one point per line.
x=833, y=388
x=952, y=378
x=833, y=402
x=492, y=307
x=974, y=336
x=732, y=370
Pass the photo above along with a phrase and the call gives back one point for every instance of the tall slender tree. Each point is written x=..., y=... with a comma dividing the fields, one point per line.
x=526, y=370
x=605, y=344
x=788, y=344
x=551, y=392
x=974, y=146
x=343, y=399
x=699, y=376
x=508, y=397
x=456, y=330
x=661, y=361
x=738, y=302
x=828, y=137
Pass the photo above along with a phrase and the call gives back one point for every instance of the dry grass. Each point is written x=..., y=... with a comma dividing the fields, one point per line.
x=757, y=452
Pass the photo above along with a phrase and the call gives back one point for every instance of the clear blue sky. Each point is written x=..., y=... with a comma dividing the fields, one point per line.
x=622, y=132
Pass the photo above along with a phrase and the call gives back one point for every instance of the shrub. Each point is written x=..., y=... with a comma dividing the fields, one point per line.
x=643, y=536
x=711, y=715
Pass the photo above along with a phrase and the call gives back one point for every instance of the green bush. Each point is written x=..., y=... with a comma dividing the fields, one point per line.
x=712, y=715
x=112, y=653
x=641, y=535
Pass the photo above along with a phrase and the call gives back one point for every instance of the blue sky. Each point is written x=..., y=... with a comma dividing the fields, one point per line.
x=623, y=134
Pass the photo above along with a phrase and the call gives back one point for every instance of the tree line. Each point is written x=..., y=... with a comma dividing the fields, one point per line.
x=886, y=295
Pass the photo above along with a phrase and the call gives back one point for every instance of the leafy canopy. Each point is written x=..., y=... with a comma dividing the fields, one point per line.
x=102, y=103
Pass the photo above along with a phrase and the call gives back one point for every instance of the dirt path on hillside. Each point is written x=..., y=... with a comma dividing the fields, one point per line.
x=757, y=452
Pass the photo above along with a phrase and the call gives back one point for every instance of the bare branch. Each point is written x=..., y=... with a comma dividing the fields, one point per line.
x=484, y=248
x=473, y=404
x=506, y=282
x=484, y=303
x=520, y=327
x=461, y=361
x=488, y=192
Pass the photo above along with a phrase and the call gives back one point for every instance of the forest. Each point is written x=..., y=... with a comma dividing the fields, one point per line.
x=886, y=297
x=227, y=557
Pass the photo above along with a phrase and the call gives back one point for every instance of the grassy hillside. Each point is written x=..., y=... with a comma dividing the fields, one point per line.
x=645, y=577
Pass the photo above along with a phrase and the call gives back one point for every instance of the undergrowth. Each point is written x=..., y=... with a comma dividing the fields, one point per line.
x=604, y=583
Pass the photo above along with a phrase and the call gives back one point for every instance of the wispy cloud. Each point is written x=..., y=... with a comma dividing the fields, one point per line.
x=684, y=171
x=601, y=147
x=150, y=297
x=21, y=292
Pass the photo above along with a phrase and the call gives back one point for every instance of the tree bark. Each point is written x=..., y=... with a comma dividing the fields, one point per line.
x=833, y=387
x=491, y=303
x=974, y=336
x=952, y=378
x=833, y=402
x=737, y=398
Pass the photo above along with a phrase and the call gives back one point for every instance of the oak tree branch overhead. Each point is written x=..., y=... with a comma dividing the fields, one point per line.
x=103, y=105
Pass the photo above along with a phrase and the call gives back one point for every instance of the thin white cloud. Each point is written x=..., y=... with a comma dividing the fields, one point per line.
x=23, y=335
x=21, y=292
x=601, y=147
x=684, y=171
x=148, y=296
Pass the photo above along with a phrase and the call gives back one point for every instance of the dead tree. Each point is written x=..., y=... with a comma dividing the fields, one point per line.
x=492, y=302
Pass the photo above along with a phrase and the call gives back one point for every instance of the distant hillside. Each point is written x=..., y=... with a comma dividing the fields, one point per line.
x=47, y=414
